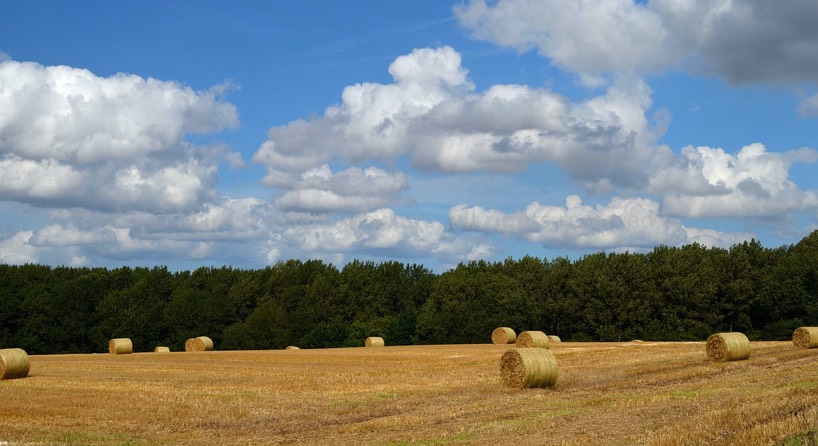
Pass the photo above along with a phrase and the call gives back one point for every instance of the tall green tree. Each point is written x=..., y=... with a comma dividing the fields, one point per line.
x=136, y=312
x=468, y=303
x=265, y=328
x=688, y=279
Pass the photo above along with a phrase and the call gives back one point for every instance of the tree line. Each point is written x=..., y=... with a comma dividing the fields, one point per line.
x=669, y=293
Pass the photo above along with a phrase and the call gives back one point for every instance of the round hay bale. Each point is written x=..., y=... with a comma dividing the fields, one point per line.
x=728, y=347
x=503, y=335
x=805, y=337
x=120, y=346
x=292, y=347
x=162, y=350
x=13, y=363
x=199, y=344
x=523, y=368
x=374, y=341
x=552, y=338
x=532, y=339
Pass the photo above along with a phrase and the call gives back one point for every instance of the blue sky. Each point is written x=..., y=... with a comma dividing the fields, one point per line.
x=219, y=133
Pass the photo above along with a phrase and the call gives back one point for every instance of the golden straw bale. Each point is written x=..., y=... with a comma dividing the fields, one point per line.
x=553, y=338
x=162, y=350
x=728, y=347
x=522, y=368
x=805, y=337
x=374, y=341
x=13, y=363
x=120, y=346
x=292, y=347
x=532, y=339
x=503, y=335
x=199, y=344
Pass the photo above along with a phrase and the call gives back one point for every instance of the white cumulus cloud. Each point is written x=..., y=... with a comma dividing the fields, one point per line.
x=351, y=190
x=383, y=232
x=70, y=138
x=432, y=114
x=708, y=182
x=373, y=119
x=631, y=222
x=17, y=250
x=744, y=41
x=589, y=38
x=59, y=235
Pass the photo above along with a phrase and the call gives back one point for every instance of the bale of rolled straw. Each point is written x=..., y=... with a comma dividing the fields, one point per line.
x=120, y=346
x=532, y=339
x=292, y=347
x=805, y=337
x=13, y=363
x=161, y=350
x=199, y=344
x=552, y=338
x=732, y=346
x=523, y=368
x=503, y=335
x=374, y=341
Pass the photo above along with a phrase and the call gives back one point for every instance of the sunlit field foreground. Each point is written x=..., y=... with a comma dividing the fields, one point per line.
x=607, y=394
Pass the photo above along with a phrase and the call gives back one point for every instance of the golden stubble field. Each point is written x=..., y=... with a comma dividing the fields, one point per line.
x=607, y=394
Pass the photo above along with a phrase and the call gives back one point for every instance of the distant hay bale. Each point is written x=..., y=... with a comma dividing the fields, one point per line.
x=552, y=338
x=199, y=344
x=13, y=363
x=120, y=346
x=503, y=335
x=728, y=347
x=161, y=350
x=532, y=339
x=523, y=368
x=374, y=341
x=292, y=347
x=805, y=337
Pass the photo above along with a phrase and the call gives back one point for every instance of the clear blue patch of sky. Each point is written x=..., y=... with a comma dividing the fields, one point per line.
x=710, y=112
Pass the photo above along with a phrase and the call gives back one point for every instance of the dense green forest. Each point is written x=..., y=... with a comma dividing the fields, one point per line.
x=670, y=293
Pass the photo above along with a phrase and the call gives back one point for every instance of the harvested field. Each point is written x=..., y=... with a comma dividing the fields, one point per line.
x=607, y=394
